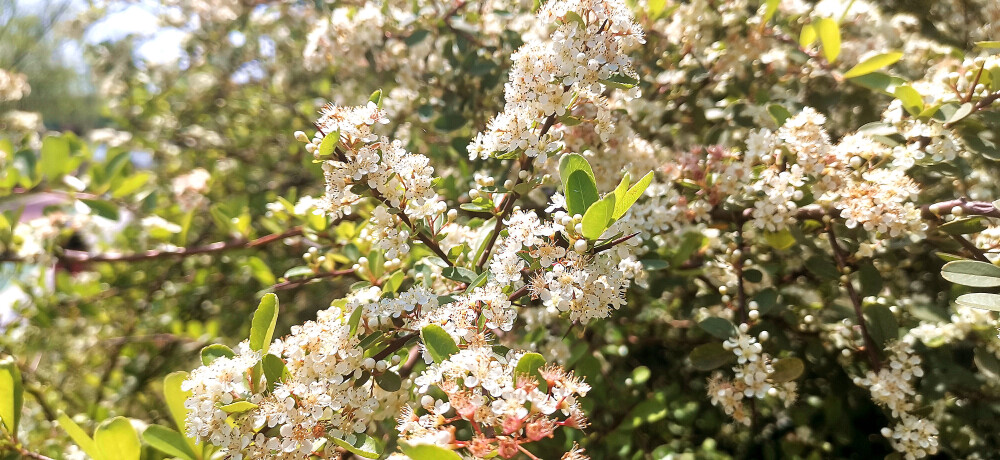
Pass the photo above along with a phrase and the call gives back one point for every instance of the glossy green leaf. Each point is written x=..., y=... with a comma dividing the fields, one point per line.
x=632, y=195
x=389, y=381
x=238, y=407
x=710, y=356
x=599, y=217
x=874, y=63
x=530, y=364
x=117, y=439
x=328, y=146
x=102, y=208
x=439, y=344
x=264, y=320
x=274, y=370
x=55, y=159
x=581, y=192
x=779, y=113
x=780, y=240
x=964, y=226
x=787, y=369
x=882, y=324
x=428, y=452
x=963, y=111
x=216, y=350
x=980, y=300
x=11, y=394
x=376, y=97
x=972, y=273
x=718, y=327
x=81, y=438
x=168, y=441
x=912, y=101
x=828, y=32
x=771, y=7
x=460, y=274
x=363, y=445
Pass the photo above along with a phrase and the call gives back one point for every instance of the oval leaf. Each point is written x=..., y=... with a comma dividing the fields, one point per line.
x=787, y=369
x=389, y=381
x=364, y=445
x=599, y=217
x=580, y=191
x=980, y=300
x=428, y=452
x=11, y=394
x=168, y=441
x=874, y=63
x=632, y=195
x=710, y=356
x=264, y=320
x=529, y=364
x=882, y=324
x=972, y=273
x=829, y=36
x=439, y=344
x=117, y=439
x=214, y=351
x=238, y=407
x=719, y=327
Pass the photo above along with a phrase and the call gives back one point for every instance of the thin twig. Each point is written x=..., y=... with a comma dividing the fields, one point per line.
x=299, y=282
x=841, y=259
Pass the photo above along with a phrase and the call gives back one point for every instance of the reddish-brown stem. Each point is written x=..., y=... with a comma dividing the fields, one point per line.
x=841, y=259
x=296, y=283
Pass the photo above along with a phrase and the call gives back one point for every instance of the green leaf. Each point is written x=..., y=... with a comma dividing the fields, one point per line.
x=168, y=441
x=972, y=273
x=389, y=381
x=355, y=319
x=80, y=437
x=274, y=370
x=599, y=217
x=878, y=81
x=871, y=279
x=460, y=274
x=656, y=7
x=328, y=146
x=439, y=344
x=963, y=111
x=55, y=158
x=581, y=192
x=882, y=324
x=807, y=36
x=769, y=10
x=297, y=272
x=215, y=350
x=779, y=113
x=980, y=300
x=874, y=63
x=130, y=184
x=264, y=320
x=632, y=195
x=363, y=445
x=102, y=208
x=620, y=81
x=987, y=362
x=648, y=411
x=710, y=356
x=964, y=226
x=912, y=101
x=990, y=45
x=718, y=327
x=573, y=16
x=261, y=271
x=787, y=369
x=822, y=267
x=829, y=36
x=376, y=97
x=117, y=439
x=11, y=394
x=529, y=364
x=780, y=240
x=175, y=398
x=573, y=162
x=238, y=407
x=427, y=452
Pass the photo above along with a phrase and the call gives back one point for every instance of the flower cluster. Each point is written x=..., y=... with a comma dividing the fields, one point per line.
x=892, y=387
x=355, y=156
x=584, y=53
x=507, y=409
x=316, y=399
x=13, y=86
x=753, y=378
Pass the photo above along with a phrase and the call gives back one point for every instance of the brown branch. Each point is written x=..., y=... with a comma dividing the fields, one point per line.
x=839, y=256
x=611, y=244
x=83, y=257
x=296, y=283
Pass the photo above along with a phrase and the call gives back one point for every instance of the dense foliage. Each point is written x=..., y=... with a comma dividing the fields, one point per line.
x=511, y=228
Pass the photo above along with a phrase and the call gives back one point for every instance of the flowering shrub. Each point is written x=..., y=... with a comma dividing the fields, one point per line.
x=561, y=229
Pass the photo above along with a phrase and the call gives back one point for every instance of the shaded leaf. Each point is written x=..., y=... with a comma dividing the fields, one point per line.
x=972, y=273
x=216, y=350
x=718, y=327
x=710, y=356
x=168, y=441
x=363, y=445
x=787, y=369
